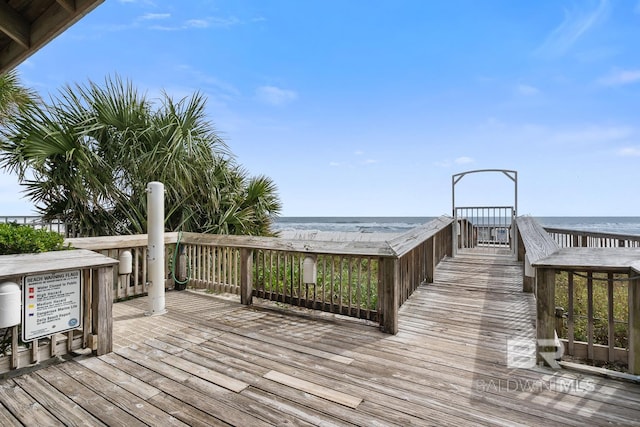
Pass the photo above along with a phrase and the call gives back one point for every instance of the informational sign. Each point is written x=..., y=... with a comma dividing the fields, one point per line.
x=51, y=303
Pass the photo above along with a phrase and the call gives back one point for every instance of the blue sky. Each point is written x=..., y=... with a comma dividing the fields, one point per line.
x=367, y=107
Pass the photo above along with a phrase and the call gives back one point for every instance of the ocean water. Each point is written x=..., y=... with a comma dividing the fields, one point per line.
x=619, y=225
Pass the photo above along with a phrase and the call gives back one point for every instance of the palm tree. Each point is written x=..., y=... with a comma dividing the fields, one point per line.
x=14, y=97
x=94, y=148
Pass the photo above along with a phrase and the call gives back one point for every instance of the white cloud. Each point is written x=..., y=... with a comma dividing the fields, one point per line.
x=223, y=22
x=464, y=160
x=620, y=77
x=273, y=95
x=370, y=161
x=358, y=152
x=629, y=152
x=335, y=164
x=576, y=23
x=154, y=16
x=197, y=23
x=527, y=90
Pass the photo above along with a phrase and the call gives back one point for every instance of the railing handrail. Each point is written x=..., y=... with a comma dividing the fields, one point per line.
x=593, y=259
x=485, y=207
x=405, y=242
x=537, y=242
x=395, y=247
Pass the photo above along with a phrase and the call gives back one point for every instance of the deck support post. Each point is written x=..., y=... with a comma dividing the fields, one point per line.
x=102, y=308
x=634, y=325
x=546, y=314
x=388, y=289
x=246, y=276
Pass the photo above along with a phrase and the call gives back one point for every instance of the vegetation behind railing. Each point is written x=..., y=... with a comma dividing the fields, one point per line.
x=592, y=315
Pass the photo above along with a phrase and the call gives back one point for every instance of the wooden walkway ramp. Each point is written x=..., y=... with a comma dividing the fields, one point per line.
x=211, y=361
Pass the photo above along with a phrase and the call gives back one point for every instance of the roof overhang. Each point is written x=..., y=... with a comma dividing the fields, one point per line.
x=27, y=25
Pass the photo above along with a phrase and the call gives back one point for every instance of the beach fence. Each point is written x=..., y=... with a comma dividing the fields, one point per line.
x=38, y=222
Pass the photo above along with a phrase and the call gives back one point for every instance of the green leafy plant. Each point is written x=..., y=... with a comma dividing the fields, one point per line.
x=19, y=239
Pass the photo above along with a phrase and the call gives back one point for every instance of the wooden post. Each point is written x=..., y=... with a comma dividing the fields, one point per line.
x=102, y=305
x=545, y=310
x=388, y=288
x=87, y=304
x=431, y=262
x=634, y=324
x=246, y=276
x=14, y=346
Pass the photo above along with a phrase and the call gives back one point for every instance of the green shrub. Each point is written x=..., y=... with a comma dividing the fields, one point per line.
x=19, y=239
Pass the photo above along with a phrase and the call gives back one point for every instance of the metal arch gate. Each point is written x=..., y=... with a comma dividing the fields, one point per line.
x=489, y=229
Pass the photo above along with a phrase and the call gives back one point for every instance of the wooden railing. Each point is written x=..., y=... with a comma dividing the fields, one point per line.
x=589, y=297
x=566, y=238
x=135, y=284
x=364, y=279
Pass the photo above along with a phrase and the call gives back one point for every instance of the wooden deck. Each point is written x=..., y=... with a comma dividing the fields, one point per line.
x=212, y=361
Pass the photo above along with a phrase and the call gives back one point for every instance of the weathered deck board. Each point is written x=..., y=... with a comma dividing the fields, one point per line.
x=212, y=361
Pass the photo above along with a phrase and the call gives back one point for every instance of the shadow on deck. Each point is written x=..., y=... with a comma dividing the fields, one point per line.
x=212, y=361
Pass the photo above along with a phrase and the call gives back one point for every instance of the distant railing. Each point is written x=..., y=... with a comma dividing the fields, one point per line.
x=364, y=279
x=485, y=228
x=567, y=238
x=587, y=296
x=37, y=222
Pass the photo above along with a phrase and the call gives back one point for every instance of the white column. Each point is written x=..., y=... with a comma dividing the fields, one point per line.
x=155, y=247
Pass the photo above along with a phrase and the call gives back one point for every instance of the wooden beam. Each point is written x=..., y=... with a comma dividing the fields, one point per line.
x=14, y=25
x=102, y=306
x=45, y=28
x=68, y=5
